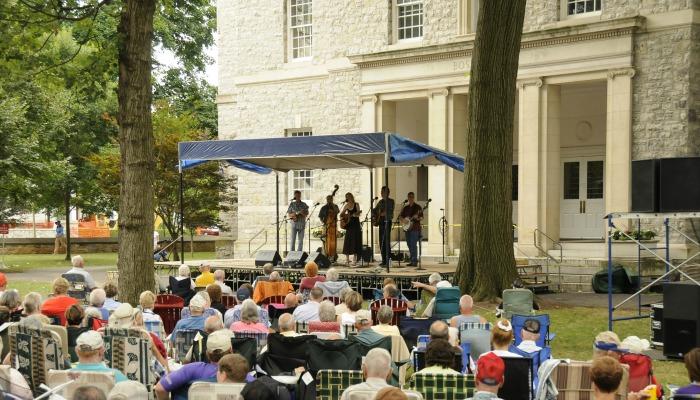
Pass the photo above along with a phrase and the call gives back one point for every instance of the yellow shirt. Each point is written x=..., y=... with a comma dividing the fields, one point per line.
x=204, y=279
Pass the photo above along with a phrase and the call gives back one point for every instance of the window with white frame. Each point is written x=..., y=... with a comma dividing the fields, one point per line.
x=468, y=13
x=409, y=19
x=574, y=8
x=301, y=179
x=300, y=28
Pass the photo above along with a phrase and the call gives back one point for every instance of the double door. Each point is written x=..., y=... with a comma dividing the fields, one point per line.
x=582, y=203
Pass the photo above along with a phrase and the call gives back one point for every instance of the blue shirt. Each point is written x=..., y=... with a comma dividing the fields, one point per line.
x=189, y=323
x=111, y=304
x=100, y=367
x=59, y=230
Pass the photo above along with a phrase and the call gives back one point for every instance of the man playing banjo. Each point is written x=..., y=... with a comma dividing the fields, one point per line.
x=297, y=213
x=411, y=217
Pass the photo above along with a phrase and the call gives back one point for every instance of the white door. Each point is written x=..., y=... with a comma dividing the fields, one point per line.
x=582, y=203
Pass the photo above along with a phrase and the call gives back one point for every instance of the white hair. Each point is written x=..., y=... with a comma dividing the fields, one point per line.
x=184, y=270
x=32, y=303
x=466, y=301
x=219, y=275
x=377, y=363
x=286, y=323
x=249, y=311
x=275, y=276
x=77, y=261
x=97, y=297
x=326, y=312
x=332, y=274
x=434, y=278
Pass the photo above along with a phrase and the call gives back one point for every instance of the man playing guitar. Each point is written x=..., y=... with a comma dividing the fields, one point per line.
x=382, y=213
x=412, y=215
x=297, y=213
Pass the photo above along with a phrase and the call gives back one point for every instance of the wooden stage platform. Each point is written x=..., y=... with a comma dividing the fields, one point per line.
x=362, y=279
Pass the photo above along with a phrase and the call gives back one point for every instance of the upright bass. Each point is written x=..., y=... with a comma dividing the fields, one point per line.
x=329, y=217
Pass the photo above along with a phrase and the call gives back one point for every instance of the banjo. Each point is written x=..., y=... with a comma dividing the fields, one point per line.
x=407, y=226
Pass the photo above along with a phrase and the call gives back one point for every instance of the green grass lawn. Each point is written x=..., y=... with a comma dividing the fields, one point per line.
x=23, y=262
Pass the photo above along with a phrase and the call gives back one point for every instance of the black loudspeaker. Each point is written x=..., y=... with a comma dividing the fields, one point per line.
x=295, y=259
x=263, y=257
x=320, y=259
x=681, y=328
x=678, y=184
x=367, y=254
x=645, y=186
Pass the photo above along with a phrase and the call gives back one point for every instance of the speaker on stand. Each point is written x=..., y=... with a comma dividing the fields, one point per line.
x=645, y=186
x=320, y=259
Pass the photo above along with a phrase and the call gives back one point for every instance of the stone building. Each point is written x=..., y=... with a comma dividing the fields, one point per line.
x=601, y=83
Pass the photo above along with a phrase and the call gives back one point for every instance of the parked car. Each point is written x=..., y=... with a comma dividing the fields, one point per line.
x=208, y=231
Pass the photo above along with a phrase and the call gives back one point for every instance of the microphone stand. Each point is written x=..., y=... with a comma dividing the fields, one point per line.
x=398, y=255
x=443, y=231
x=308, y=223
x=420, y=242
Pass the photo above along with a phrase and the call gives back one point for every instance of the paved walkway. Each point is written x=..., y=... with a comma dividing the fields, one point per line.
x=49, y=274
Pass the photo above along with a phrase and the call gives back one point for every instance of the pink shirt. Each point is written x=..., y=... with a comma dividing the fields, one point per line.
x=240, y=326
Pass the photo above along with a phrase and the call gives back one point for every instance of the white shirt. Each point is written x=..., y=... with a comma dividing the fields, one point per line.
x=371, y=384
x=307, y=312
x=529, y=346
x=225, y=289
x=89, y=282
x=156, y=239
x=347, y=318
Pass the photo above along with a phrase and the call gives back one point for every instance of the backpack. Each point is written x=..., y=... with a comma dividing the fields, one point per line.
x=265, y=388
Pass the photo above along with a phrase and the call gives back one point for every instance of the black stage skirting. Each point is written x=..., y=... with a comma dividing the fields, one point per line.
x=363, y=280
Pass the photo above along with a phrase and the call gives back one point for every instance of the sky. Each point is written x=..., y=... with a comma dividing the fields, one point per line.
x=211, y=73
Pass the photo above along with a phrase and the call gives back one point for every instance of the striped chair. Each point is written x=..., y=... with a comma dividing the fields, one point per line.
x=277, y=299
x=101, y=380
x=443, y=387
x=332, y=382
x=347, y=330
x=229, y=301
x=573, y=381
x=34, y=352
x=215, y=391
x=129, y=351
x=333, y=299
x=397, y=305
x=182, y=342
x=302, y=327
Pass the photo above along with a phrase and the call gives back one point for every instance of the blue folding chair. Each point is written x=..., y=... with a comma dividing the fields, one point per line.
x=466, y=358
x=537, y=357
x=518, y=321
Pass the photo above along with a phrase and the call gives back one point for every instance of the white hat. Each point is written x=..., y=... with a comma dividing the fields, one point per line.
x=219, y=340
x=198, y=302
x=123, y=316
x=130, y=390
x=89, y=341
x=443, y=284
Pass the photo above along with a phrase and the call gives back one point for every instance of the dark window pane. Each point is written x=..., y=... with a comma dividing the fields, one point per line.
x=571, y=178
x=594, y=180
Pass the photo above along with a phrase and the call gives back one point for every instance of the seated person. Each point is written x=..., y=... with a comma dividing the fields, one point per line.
x=214, y=292
x=489, y=377
x=363, y=325
x=249, y=319
x=147, y=301
x=11, y=299
x=309, y=311
x=56, y=305
x=267, y=271
x=178, y=382
x=206, y=277
x=390, y=393
x=342, y=307
x=440, y=330
x=606, y=375
x=91, y=350
x=607, y=343
x=194, y=321
x=466, y=313
x=74, y=328
x=291, y=300
x=182, y=285
x=439, y=358
x=309, y=281
x=31, y=306
x=276, y=286
x=208, y=310
x=211, y=325
x=332, y=286
x=692, y=364
x=501, y=339
x=98, y=296
x=384, y=316
x=382, y=294
x=427, y=292
x=287, y=325
x=219, y=276
x=353, y=301
x=327, y=321
x=234, y=314
x=111, y=291
x=233, y=368
x=376, y=369
x=530, y=333
x=79, y=268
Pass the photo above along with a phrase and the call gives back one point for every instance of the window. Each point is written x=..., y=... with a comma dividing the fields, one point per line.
x=300, y=32
x=571, y=179
x=578, y=7
x=468, y=16
x=594, y=180
x=302, y=179
x=409, y=19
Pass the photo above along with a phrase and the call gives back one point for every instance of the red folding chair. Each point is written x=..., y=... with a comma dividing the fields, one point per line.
x=398, y=306
x=168, y=307
x=279, y=299
x=228, y=301
x=336, y=300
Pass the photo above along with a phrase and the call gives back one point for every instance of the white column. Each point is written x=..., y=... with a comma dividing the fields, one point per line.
x=550, y=164
x=618, y=141
x=437, y=176
x=529, y=126
x=368, y=109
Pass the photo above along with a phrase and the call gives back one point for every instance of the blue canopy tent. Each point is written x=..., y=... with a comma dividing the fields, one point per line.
x=283, y=154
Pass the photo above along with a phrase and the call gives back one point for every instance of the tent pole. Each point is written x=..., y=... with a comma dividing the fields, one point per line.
x=387, y=224
x=371, y=204
x=277, y=197
x=182, y=217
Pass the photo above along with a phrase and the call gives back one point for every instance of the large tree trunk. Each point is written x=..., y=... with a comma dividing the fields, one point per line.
x=136, y=205
x=486, y=263
x=66, y=205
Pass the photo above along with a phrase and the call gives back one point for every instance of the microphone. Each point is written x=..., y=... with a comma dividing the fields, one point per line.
x=375, y=198
x=429, y=200
x=317, y=204
x=442, y=209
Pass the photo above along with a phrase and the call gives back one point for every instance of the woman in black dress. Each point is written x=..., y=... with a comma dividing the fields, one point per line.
x=353, y=230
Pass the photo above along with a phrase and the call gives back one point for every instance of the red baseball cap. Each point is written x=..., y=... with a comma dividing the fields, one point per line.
x=489, y=369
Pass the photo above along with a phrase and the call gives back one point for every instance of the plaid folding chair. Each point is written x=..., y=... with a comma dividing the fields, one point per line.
x=34, y=352
x=182, y=342
x=332, y=382
x=129, y=351
x=443, y=387
x=302, y=327
x=215, y=391
x=478, y=336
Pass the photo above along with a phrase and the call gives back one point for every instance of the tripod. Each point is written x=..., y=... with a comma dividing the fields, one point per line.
x=443, y=232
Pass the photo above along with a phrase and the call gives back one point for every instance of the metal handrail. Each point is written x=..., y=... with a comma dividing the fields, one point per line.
x=263, y=230
x=555, y=243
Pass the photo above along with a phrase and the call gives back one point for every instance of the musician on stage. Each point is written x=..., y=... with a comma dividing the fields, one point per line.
x=350, y=219
x=382, y=213
x=329, y=217
x=412, y=213
x=297, y=213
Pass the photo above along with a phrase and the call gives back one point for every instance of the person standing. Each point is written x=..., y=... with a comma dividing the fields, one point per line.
x=383, y=214
x=412, y=214
x=297, y=213
x=353, y=230
x=60, y=240
x=329, y=218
